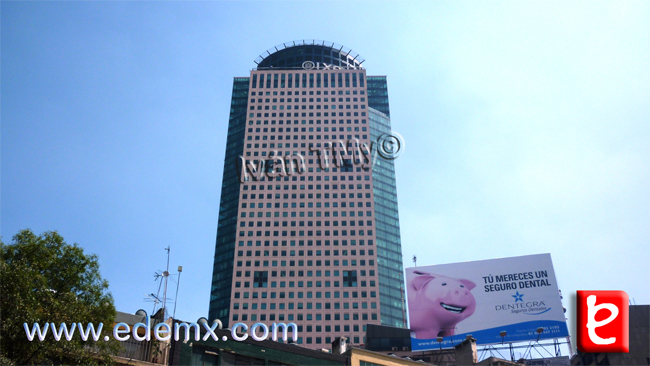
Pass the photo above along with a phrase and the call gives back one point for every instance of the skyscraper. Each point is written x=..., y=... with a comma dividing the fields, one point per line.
x=308, y=225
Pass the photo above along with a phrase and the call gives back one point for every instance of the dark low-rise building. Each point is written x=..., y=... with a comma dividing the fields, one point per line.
x=639, y=343
x=246, y=352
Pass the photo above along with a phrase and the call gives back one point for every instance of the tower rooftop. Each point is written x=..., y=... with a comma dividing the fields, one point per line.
x=291, y=55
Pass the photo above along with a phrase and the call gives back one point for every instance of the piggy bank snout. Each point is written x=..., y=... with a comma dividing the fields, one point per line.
x=462, y=298
x=459, y=296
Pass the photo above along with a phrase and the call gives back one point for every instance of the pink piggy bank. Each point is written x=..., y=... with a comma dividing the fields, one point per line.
x=437, y=303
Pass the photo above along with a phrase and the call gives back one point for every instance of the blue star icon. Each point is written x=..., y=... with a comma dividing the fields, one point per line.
x=518, y=297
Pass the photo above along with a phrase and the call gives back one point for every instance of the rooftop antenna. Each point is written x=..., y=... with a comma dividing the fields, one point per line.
x=152, y=298
x=164, y=277
x=180, y=269
x=156, y=298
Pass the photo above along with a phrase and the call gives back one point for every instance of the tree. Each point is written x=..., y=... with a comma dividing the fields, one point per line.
x=45, y=280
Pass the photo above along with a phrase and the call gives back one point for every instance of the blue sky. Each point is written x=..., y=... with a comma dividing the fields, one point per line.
x=527, y=129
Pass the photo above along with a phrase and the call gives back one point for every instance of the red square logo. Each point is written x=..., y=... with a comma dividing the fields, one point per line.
x=603, y=322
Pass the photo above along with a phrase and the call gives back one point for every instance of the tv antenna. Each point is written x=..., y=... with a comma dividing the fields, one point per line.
x=163, y=277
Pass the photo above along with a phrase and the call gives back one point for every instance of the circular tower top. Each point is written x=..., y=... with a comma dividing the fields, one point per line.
x=292, y=55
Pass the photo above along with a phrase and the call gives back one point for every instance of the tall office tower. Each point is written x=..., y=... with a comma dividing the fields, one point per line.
x=315, y=244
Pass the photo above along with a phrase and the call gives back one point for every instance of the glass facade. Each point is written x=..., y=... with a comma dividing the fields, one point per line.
x=378, y=95
x=389, y=245
x=222, y=271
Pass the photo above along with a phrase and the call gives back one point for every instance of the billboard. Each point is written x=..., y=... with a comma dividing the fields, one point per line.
x=515, y=295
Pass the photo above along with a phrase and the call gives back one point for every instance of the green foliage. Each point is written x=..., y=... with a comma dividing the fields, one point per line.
x=46, y=280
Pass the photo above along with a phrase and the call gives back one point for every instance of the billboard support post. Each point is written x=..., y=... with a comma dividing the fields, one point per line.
x=528, y=347
x=440, y=356
x=568, y=340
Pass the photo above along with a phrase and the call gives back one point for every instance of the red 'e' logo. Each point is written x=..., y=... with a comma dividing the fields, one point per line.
x=603, y=322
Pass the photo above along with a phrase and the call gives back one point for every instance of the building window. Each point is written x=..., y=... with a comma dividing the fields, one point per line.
x=349, y=278
x=260, y=279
